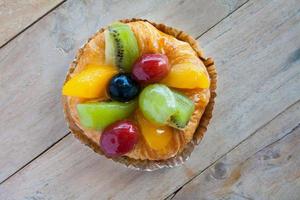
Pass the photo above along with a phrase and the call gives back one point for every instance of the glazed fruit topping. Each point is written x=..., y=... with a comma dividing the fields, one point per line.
x=157, y=137
x=188, y=76
x=150, y=68
x=157, y=103
x=120, y=80
x=162, y=106
x=184, y=110
x=123, y=88
x=90, y=83
x=98, y=115
x=121, y=47
x=119, y=138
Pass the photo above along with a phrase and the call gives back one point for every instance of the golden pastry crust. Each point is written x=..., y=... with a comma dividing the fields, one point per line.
x=158, y=42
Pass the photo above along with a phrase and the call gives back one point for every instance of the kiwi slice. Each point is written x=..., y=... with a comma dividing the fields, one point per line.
x=184, y=110
x=121, y=47
x=98, y=115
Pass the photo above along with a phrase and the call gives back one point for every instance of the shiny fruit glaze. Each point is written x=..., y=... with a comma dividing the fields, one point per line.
x=157, y=103
x=123, y=88
x=150, y=68
x=99, y=115
x=186, y=76
x=90, y=83
x=119, y=138
x=157, y=137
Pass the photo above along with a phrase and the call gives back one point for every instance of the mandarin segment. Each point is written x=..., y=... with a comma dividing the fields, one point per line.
x=157, y=137
x=90, y=83
x=188, y=76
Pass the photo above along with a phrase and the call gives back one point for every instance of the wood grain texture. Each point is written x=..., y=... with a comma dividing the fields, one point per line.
x=33, y=67
x=257, y=54
x=265, y=166
x=16, y=15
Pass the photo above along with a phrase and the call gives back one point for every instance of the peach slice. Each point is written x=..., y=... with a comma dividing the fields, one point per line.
x=90, y=83
x=187, y=76
x=157, y=137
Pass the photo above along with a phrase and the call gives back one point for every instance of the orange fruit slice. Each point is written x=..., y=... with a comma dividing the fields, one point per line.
x=90, y=83
x=157, y=137
x=188, y=76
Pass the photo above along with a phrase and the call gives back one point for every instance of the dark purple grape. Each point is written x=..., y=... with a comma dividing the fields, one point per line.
x=123, y=88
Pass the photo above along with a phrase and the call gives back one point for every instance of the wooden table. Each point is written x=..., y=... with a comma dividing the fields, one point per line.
x=251, y=149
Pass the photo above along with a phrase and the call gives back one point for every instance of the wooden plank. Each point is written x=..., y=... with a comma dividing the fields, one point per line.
x=16, y=15
x=257, y=52
x=255, y=169
x=33, y=67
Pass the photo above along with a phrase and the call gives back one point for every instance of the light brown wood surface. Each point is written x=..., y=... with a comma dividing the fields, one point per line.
x=33, y=66
x=16, y=15
x=265, y=166
x=257, y=54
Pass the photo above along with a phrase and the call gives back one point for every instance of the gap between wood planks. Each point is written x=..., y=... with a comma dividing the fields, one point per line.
x=48, y=148
x=63, y=1
x=221, y=20
x=172, y=195
x=31, y=24
x=34, y=22
x=211, y=160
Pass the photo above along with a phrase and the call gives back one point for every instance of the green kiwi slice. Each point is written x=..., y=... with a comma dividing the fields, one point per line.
x=121, y=47
x=184, y=110
x=98, y=115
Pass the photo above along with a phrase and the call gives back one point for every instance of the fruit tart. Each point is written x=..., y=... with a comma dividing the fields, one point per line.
x=140, y=93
